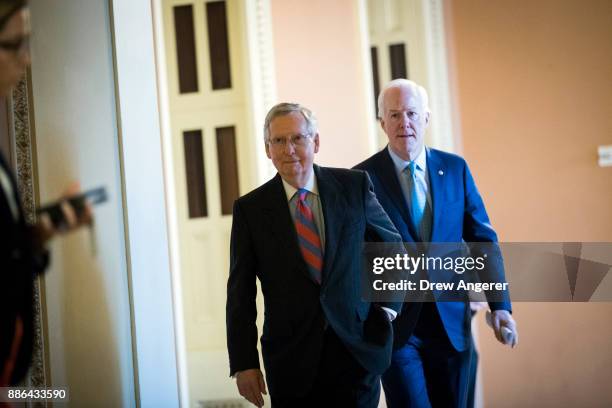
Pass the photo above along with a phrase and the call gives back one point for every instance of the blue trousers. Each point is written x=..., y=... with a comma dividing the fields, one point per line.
x=428, y=372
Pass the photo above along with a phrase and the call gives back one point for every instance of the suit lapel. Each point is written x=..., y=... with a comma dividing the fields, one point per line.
x=437, y=174
x=388, y=179
x=333, y=205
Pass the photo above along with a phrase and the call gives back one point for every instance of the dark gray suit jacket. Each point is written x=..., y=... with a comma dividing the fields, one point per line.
x=264, y=246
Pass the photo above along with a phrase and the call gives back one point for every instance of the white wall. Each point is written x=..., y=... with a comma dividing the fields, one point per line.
x=109, y=295
x=86, y=288
x=321, y=61
x=158, y=335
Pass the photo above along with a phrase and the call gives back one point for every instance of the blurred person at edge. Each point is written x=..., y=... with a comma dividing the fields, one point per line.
x=22, y=247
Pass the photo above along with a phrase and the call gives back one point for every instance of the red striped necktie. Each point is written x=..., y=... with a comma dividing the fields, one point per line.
x=308, y=236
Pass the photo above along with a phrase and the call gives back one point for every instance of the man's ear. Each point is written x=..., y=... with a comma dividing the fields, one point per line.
x=382, y=123
x=316, y=143
x=268, y=150
x=427, y=117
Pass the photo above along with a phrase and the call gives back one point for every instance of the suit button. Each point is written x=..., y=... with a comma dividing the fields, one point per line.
x=323, y=296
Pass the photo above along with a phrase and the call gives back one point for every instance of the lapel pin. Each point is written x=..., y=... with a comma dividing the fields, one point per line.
x=440, y=172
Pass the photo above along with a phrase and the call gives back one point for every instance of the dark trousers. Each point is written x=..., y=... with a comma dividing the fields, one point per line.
x=341, y=381
x=428, y=371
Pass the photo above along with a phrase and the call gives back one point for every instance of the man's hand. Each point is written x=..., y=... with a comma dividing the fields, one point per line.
x=500, y=319
x=251, y=385
x=475, y=307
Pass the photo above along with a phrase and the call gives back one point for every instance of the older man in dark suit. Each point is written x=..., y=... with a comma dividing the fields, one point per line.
x=301, y=235
x=430, y=196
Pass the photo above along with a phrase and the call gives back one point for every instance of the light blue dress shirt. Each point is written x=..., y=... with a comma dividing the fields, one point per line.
x=422, y=178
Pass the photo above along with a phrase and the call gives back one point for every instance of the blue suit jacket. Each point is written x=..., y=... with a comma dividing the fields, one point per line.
x=458, y=215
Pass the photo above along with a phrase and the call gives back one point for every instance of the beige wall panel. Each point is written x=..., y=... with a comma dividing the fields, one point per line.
x=534, y=96
x=320, y=63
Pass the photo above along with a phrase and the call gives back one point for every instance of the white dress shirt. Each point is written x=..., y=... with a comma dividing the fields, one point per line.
x=404, y=176
x=7, y=190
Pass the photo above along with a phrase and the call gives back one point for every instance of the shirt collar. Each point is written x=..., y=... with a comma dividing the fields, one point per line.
x=400, y=164
x=7, y=189
x=311, y=186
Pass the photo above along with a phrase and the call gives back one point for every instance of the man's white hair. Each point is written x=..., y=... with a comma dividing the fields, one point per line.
x=402, y=83
x=286, y=108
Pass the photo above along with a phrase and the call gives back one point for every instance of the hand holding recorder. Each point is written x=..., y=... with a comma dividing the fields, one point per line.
x=72, y=211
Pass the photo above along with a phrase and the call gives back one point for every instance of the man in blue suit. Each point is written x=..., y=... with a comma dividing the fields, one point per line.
x=430, y=196
x=301, y=234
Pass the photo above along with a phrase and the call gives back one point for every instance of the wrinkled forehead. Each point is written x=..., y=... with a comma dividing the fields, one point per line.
x=288, y=124
x=403, y=97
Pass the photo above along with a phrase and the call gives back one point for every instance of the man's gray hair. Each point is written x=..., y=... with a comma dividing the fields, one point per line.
x=286, y=108
x=402, y=83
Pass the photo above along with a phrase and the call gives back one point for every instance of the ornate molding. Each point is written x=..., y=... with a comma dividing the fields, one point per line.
x=24, y=146
x=262, y=75
x=438, y=75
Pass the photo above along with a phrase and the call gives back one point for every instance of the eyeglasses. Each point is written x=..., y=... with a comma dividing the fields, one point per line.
x=297, y=140
x=16, y=46
x=412, y=115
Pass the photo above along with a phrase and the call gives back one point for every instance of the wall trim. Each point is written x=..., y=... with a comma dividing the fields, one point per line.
x=438, y=84
x=24, y=151
x=152, y=287
x=261, y=81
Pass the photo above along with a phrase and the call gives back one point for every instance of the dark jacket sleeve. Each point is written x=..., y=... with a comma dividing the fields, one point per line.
x=380, y=228
x=241, y=310
x=21, y=260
